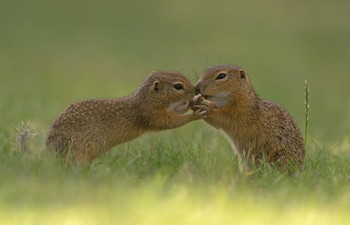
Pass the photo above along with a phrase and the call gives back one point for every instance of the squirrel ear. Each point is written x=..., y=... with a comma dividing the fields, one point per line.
x=156, y=85
x=242, y=73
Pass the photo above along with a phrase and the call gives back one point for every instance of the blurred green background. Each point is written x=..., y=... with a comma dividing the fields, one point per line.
x=53, y=53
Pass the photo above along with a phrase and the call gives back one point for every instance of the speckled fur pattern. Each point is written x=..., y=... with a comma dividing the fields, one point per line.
x=257, y=128
x=87, y=129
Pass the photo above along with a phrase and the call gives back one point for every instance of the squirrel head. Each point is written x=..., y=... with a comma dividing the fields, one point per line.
x=168, y=90
x=223, y=84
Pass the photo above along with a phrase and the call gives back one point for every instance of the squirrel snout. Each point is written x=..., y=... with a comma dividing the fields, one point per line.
x=198, y=87
x=197, y=90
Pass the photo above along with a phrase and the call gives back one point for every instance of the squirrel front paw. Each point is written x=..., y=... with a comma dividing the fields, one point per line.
x=202, y=108
x=198, y=99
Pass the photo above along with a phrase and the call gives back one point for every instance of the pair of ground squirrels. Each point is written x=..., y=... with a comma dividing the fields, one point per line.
x=257, y=128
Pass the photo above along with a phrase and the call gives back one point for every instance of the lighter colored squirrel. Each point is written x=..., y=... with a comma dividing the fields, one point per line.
x=257, y=128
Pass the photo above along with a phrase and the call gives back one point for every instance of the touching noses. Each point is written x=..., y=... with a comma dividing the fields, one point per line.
x=198, y=86
x=197, y=90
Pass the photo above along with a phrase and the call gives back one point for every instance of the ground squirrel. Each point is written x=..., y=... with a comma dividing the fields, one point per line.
x=257, y=128
x=89, y=128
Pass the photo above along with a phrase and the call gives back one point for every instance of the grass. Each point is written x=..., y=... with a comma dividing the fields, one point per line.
x=55, y=53
x=307, y=106
x=157, y=180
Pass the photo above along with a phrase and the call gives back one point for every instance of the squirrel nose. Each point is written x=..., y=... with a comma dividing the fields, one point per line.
x=197, y=90
x=198, y=86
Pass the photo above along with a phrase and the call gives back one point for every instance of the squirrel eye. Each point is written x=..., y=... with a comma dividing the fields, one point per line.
x=178, y=86
x=220, y=76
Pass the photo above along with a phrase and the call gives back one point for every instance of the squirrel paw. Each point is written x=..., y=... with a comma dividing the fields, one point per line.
x=198, y=99
x=203, y=109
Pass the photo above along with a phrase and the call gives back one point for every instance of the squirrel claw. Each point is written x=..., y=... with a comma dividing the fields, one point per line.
x=201, y=110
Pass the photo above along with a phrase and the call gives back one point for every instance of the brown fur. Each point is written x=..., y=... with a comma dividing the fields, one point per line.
x=257, y=128
x=92, y=127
